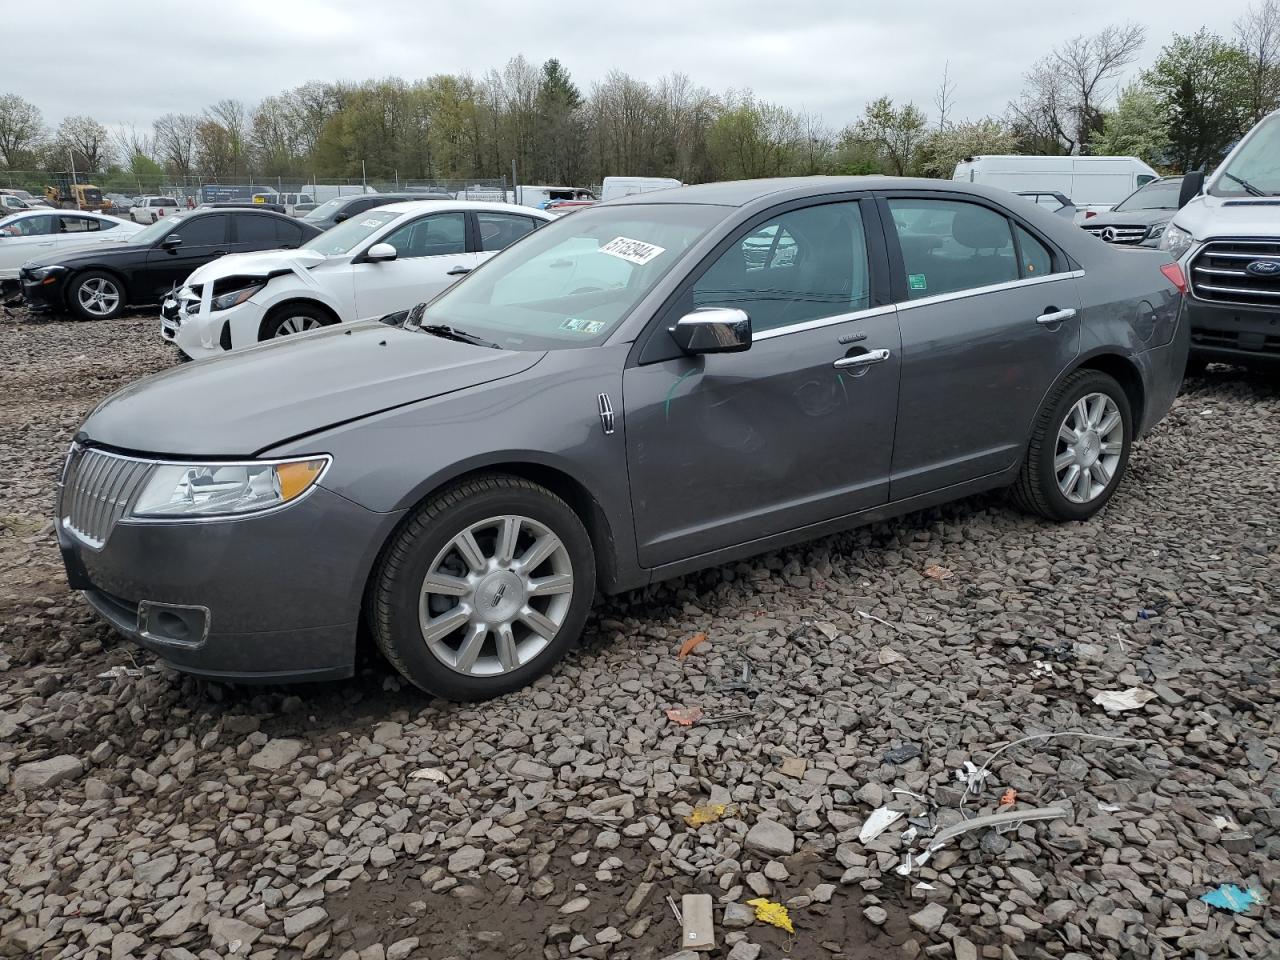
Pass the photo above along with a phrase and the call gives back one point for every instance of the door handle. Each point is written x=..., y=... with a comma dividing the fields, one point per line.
x=1055, y=316
x=457, y=271
x=862, y=359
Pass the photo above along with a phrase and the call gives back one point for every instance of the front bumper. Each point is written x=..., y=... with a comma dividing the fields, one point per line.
x=1231, y=333
x=201, y=333
x=274, y=598
x=39, y=295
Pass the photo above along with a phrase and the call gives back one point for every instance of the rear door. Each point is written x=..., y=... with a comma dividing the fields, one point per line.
x=252, y=232
x=497, y=230
x=77, y=231
x=989, y=318
x=432, y=251
x=723, y=449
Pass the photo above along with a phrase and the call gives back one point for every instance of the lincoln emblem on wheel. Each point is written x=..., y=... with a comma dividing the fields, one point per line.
x=771, y=360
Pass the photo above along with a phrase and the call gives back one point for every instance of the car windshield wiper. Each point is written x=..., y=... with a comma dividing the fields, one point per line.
x=1246, y=184
x=453, y=333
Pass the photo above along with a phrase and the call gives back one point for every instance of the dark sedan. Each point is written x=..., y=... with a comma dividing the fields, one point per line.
x=650, y=386
x=97, y=284
x=333, y=212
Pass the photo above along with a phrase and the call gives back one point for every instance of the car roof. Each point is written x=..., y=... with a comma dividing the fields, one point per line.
x=423, y=206
x=741, y=193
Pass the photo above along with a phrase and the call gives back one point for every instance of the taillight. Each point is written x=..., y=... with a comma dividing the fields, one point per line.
x=1090, y=214
x=1173, y=273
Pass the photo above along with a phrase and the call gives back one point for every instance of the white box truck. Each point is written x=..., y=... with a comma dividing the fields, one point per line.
x=1094, y=184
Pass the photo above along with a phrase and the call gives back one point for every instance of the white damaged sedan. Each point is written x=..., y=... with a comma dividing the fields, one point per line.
x=379, y=262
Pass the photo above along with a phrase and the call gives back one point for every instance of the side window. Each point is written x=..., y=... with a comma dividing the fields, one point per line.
x=203, y=231
x=288, y=233
x=78, y=224
x=802, y=265
x=251, y=228
x=1036, y=260
x=1144, y=179
x=437, y=235
x=951, y=245
x=34, y=226
x=500, y=230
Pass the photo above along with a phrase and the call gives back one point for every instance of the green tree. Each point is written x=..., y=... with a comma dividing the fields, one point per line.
x=1202, y=83
x=753, y=138
x=1137, y=127
x=21, y=130
x=896, y=133
x=559, y=134
x=943, y=149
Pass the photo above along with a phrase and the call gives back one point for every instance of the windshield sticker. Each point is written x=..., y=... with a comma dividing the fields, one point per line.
x=916, y=281
x=577, y=325
x=633, y=251
x=371, y=223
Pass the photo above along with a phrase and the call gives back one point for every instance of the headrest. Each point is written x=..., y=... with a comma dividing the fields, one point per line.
x=980, y=229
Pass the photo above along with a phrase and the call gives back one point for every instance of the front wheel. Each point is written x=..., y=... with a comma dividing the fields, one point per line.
x=95, y=296
x=1079, y=448
x=484, y=588
x=293, y=318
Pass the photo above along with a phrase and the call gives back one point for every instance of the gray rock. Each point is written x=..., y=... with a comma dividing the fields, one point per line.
x=156, y=869
x=576, y=905
x=465, y=858
x=1027, y=880
x=744, y=950
x=930, y=918
x=738, y=916
x=306, y=920
x=876, y=915
x=46, y=773
x=276, y=755
x=771, y=839
x=224, y=931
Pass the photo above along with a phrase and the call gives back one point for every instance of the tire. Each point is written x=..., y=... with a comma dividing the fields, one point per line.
x=95, y=295
x=1039, y=488
x=1196, y=366
x=291, y=318
x=496, y=594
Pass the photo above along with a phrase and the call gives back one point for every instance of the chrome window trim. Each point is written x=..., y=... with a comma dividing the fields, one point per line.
x=822, y=322
x=991, y=288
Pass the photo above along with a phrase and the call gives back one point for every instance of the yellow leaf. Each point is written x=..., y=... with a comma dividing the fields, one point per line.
x=772, y=913
x=704, y=815
x=687, y=647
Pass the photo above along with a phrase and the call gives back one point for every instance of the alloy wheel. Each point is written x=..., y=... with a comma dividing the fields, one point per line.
x=98, y=296
x=496, y=595
x=1090, y=442
x=297, y=325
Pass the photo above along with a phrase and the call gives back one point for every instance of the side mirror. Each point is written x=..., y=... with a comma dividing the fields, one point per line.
x=339, y=217
x=379, y=252
x=171, y=242
x=713, y=330
x=1192, y=184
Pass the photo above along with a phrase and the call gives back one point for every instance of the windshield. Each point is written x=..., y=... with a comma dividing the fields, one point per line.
x=1256, y=162
x=1158, y=195
x=350, y=233
x=326, y=209
x=157, y=231
x=568, y=284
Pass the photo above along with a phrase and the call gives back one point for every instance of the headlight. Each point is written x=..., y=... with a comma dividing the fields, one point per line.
x=234, y=298
x=47, y=273
x=1156, y=232
x=195, y=491
x=1176, y=240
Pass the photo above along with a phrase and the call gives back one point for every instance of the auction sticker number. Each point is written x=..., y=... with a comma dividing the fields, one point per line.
x=633, y=251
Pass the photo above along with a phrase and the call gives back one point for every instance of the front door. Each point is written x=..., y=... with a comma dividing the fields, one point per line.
x=427, y=249
x=724, y=449
x=204, y=238
x=990, y=319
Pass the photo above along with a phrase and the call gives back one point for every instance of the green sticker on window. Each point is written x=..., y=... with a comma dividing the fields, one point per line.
x=916, y=281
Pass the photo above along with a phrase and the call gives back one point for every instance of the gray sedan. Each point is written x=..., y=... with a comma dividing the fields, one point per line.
x=647, y=387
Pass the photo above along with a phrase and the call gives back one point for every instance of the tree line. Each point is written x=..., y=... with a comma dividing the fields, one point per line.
x=1202, y=92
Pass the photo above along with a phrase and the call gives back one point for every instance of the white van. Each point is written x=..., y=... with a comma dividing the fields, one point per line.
x=614, y=187
x=539, y=196
x=1094, y=184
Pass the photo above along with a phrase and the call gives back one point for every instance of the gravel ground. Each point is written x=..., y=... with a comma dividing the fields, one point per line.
x=150, y=815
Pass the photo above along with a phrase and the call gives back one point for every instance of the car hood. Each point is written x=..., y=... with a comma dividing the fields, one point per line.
x=262, y=264
x=1130, y=218
x=98, y=253
x=246, y=402
x=1208, y=216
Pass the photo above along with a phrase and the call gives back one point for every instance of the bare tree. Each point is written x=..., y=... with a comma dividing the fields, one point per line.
x=88, y=140
x=130, y=142
x=944, y=99
x=1258, y=37
x=237, y=120
x=175, y=141
x=21, y=129
x=1066, y=93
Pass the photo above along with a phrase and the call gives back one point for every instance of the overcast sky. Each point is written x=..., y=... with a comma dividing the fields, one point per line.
x=132, y=60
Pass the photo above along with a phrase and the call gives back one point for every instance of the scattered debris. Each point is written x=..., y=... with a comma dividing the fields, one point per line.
x=710, y=813
x=1042, y=668
x=1064, y=649
x=872, y=616
x=900, y=791
x=972, y=776
x=936, y=571
x=908, y=751
x=744, y=683
x=1115, y=701
x=119, y=671
x=691, y=644
x=876, y=824
x=889, y=655
x=729, y=717
x=1226, y=824
x=1230, y=897
x=699, y=928
x=994, y=820
x=772, y=913
x=675, y=911
x=685, y=716
x=1110, y=807
x=829, y=630
x=909, y=834
x=1009, y=797
x=430, y=773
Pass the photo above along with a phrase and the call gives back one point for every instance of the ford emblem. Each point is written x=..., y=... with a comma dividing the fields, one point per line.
x=1263, y=268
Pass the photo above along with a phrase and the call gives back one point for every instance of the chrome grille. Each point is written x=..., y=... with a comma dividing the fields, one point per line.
x=1118, y=234
x=1220, y=272
x=96, y=489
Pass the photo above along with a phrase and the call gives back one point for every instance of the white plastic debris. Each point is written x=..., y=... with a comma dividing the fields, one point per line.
x=119, y=671
x=1115, y=701
x=1110, y=807
x=430, y=773
x=889, y=655
x=1226, y=824
x=972, y=776
x=876, y=824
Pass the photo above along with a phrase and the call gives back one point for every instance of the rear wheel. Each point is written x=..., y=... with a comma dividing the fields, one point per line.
x=294, y=318
x=484, y=589
x=95, y=296
x=1079, y=448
